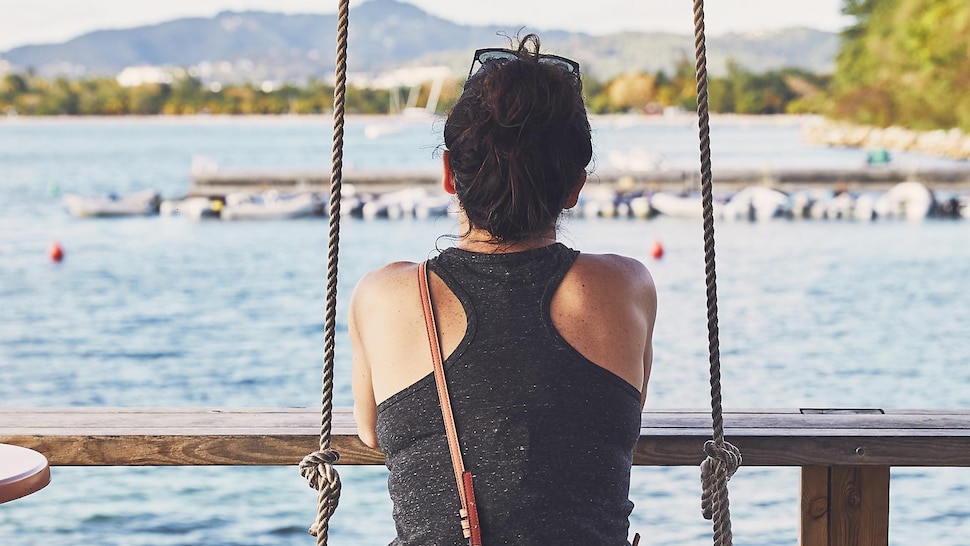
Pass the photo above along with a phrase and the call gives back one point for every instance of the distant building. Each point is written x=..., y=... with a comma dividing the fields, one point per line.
x=134, y=76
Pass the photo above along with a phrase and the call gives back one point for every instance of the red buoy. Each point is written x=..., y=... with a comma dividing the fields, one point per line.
x=55, y=252
x=657, y=251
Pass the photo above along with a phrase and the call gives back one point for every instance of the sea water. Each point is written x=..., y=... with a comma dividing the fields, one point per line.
x=169, y=312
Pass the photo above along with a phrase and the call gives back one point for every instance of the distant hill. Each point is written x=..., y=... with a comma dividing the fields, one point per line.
x=388, y=34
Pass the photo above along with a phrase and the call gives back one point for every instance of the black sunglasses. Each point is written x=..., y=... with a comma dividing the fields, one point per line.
x=490, y=54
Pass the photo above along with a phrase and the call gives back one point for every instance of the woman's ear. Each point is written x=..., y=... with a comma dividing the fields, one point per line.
x=574, y=194
x=447, y=176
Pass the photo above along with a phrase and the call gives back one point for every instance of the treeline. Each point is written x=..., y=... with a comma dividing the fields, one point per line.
x=24, y=94
x=740, y=91
x=905, y=63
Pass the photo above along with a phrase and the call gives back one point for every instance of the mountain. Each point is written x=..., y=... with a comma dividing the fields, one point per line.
x=389, y=34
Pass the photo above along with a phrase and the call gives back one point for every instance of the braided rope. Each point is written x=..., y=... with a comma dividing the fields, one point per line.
x=723, y=458
x=318, y=467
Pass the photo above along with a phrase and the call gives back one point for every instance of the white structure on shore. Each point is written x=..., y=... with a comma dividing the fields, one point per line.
x=133, y=76
x=412, y=78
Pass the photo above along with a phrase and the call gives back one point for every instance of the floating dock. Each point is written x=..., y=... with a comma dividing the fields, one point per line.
x=220, y=183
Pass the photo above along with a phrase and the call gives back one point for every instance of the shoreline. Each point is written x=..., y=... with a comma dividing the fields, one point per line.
x=326, y=119
x=950, y=144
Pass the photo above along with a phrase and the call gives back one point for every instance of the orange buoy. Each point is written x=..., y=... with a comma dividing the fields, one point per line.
x=55, y=252
x=657, y=251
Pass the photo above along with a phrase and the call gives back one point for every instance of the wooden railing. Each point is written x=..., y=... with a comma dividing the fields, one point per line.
x=845, y=454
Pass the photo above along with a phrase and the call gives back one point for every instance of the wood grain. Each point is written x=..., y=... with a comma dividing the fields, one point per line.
x=859, y=513
x=814, y=523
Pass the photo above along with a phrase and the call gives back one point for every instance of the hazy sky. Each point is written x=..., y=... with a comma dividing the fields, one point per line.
x=43, y=21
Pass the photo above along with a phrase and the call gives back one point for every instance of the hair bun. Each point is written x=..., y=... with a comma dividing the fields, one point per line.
x=519, y=142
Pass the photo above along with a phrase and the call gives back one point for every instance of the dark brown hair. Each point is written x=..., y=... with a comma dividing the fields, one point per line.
x=518, y=141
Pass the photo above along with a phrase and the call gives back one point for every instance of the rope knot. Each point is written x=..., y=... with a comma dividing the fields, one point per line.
x=724, y=453
x=318, y=468
x=722, y=460
x=327, y=456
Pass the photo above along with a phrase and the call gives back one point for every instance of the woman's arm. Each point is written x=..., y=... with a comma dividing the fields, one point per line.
x=642, y=293
x=648, y=305
x=365, y=406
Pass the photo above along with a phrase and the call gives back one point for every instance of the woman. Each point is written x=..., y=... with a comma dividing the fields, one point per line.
x=547, y=351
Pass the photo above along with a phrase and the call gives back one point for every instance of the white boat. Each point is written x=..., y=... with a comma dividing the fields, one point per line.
x=640, y=207
x=435, y=205
x=599, y=209
x=756, y=203
x=141, y=203
x=681, y=206
x=801, y=203
x=910, y=201
x=597, y=202
x=191, y=207
x=832, y=206
x=864, y=208
x=269, y=205
x=401, y=203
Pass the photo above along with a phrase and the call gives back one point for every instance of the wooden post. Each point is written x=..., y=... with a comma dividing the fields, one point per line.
x=859, y=505
x=815, y=506
x=845, y=506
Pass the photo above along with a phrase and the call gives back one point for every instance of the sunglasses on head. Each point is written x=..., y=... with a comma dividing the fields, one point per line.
x=492, y=54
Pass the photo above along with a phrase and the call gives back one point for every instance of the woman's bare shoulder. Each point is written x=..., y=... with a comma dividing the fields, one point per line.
x=388, y=274
x=612, y=279
x=385, y=282
x=612, y=269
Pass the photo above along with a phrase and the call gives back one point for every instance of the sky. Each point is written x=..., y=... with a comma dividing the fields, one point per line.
x=49, y=21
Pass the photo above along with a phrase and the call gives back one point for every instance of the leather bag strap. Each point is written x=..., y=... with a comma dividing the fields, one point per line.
x=466, y=491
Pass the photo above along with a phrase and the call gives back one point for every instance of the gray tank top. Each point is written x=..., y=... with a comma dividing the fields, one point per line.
x=547, y=434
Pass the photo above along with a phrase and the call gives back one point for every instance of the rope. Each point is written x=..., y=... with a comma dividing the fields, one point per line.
x=318, y=467
x=723, y=458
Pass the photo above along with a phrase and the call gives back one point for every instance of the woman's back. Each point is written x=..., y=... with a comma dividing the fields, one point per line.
x=547, y=433
x=548, y=351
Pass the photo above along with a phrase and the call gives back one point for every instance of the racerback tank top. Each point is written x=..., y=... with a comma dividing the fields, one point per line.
x=547, y=434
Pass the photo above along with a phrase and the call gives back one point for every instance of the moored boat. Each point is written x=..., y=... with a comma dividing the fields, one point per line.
x=192, y=207
x=911, y=201
x=141, y=203
x=597, y=202
x=270, y=205
x=404, y=203
x=681, y=206
x=756, y=203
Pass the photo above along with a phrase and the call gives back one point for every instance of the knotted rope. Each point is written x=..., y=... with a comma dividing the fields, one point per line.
x=318, y=467
x=723, y=458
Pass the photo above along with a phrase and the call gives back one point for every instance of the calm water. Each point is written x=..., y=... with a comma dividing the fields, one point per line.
x=168, y=312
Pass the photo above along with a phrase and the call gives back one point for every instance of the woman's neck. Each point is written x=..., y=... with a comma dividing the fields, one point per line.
x=482, y=242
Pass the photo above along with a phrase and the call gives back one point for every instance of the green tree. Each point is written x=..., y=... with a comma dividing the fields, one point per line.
x=188, y=96
x=904, y=62
x=683, y=86
x=102, y=96
x=633, y=91
x=61, y=97
x=149, y=98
